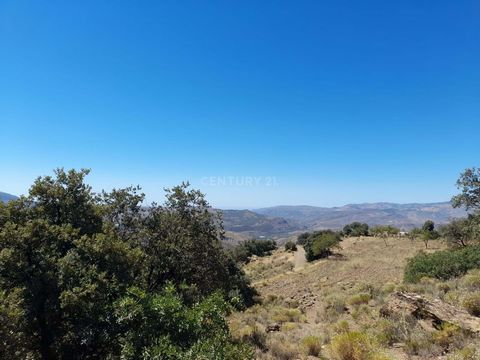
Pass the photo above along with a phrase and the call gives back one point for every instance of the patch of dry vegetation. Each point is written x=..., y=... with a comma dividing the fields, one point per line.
x=330, y=309
x=262, y=268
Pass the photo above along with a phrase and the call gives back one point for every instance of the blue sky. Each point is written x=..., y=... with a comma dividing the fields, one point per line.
x=257, y=103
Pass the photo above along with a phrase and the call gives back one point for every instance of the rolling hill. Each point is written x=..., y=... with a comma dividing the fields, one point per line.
x=4, y=197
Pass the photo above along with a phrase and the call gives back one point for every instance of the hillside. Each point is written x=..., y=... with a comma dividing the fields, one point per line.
x=311, y=306
x=405, y=216
x=4, y=197
x=252, y=224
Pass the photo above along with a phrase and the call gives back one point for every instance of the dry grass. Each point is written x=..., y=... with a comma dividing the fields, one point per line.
x=320, y=303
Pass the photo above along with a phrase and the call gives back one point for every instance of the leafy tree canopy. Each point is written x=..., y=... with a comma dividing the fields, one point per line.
x=78, y=269
x=356, y=229
x=320, y=244
x=469, y=184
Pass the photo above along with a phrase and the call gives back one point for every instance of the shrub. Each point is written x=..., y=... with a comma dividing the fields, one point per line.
x=447, y=335
x=244, y=251
x=384, y=230
x=253, y=335
x=302, y=238
x=462, y=232
x=290, y=246
x=283, y=315
x=467, y=353
x=472, y=280
x=341, y=326
x=334, y=306
x=355, y=229
x=442, y=265
x=388, y=288
x=282, y=349
x=312, y=345
x=472, y=303
x=359, y=299
x=354, y=346
x=320, y=244
x=422, y=344
x=387, y=331
x=288, y=326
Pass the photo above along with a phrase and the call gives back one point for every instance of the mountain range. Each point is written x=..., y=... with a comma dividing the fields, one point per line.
x=4, y=197
x=287, y=220
x=404, y=216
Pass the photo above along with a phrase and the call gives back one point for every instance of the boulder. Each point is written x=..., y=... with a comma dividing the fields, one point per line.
x=430, y=313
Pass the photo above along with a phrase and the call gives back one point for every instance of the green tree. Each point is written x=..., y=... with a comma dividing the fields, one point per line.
x=290, y=246
x=428, y=226
x=258, y=247
x=69, y=257
x=302, y=238
x=384, y=232
x=469, y=184
x=320, y=244
x=356, y=229
x=161, y=326
x=462, y=232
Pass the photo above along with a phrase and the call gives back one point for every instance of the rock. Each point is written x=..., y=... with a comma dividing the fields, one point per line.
x=430, y=313
x=272, y=328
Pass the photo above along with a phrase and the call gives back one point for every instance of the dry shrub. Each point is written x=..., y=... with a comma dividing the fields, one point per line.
x=362, y=298
x=333, y=308
x=471, y=281
x=288, y=326
x=388, y=332
x=394, y=329
x=282, y=349
x=341, y=326
x=253, y=335
x=311, y=345
x=467, y=353
x=283, y=315
x=360, y=311
x=355, y=346
x=471, y=303
x=421, y=344
x=388, y=288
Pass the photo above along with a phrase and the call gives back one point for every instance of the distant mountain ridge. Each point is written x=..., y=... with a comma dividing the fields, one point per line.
x=285, y=220
x=405, y=216
x=4, y=197
x=252, y=224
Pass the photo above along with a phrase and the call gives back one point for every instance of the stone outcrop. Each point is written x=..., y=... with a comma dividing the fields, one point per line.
x=432, y=313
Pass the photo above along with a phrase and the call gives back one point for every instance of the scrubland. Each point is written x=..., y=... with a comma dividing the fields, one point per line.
x=331, y=308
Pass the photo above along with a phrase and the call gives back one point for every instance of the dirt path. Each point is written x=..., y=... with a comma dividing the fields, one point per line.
x=299, y=259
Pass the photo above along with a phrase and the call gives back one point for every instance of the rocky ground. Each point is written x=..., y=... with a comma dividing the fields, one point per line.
x=306, y=308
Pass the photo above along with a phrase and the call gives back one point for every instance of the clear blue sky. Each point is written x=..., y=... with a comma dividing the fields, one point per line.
x=322, y=102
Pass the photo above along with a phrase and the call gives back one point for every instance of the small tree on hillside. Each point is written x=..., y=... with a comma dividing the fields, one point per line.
x=415, y=233
x=428, y=232
x=246, y=249
x=290, y=246
x=384, y=232
x=462, y=232
x=429, y=226
x=302, y=238
x=356, y=229
x=469, y=184
x=320, y=244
